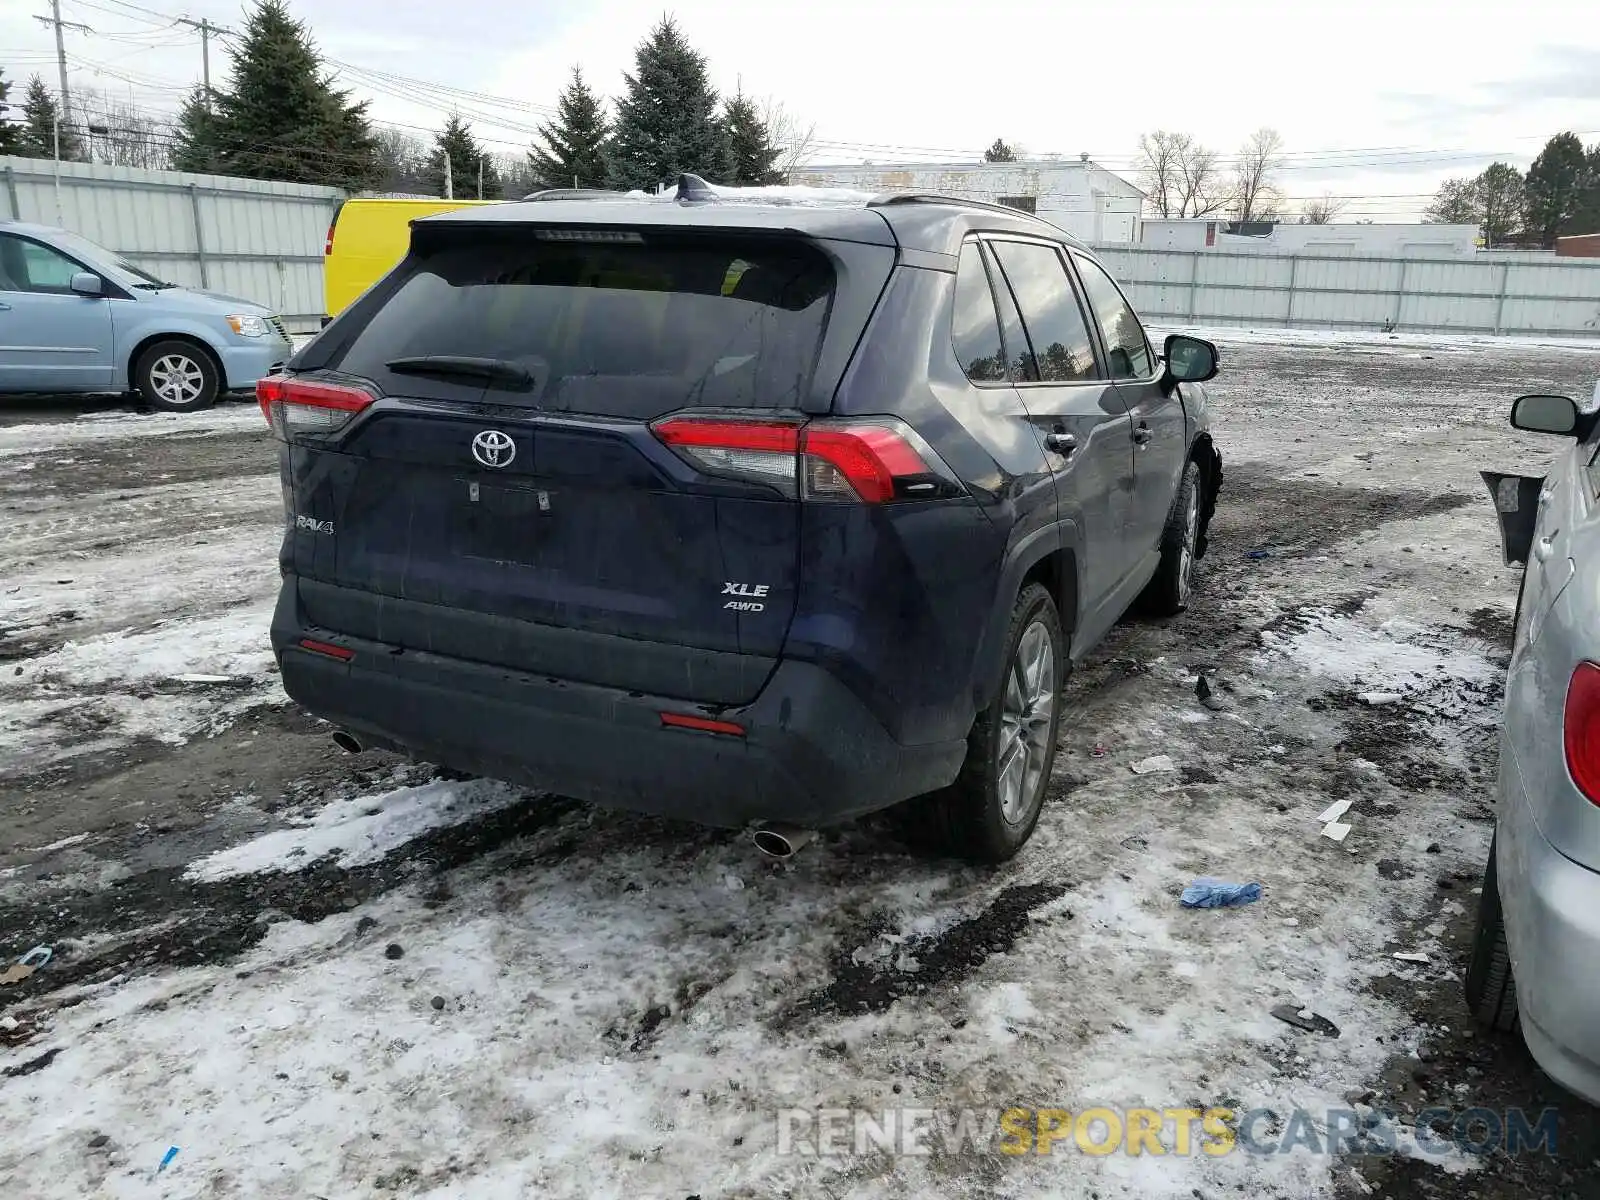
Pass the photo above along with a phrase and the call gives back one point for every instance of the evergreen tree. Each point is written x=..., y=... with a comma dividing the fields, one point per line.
x=1557, y=185
x=456, y=144
x=999, y=152
x=282, y=117
x=195, y=143
x=10, y=135
x=573, y=149
x=667, y=118
x=750, y=141
x=39, y=116
x=1587, y=217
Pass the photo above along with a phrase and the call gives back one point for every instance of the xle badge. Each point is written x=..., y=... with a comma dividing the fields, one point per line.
x=745, y=589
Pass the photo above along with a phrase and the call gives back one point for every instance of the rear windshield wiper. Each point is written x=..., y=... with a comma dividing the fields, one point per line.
x=490, y=370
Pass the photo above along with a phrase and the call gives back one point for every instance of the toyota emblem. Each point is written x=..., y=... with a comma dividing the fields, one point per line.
x=493, y=448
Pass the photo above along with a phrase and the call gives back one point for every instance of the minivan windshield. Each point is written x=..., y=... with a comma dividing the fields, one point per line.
x=81, y=247
x=609, y=323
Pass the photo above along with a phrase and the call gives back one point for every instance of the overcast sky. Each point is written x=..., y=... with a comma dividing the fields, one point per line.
x=1378, y=101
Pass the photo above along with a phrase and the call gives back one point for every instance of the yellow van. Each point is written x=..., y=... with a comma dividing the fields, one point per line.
x=372, y=235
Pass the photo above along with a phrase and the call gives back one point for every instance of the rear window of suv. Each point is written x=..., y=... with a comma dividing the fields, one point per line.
x=630, y=326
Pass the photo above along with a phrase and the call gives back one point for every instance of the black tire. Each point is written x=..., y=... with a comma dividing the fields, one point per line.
x=1167, y=593
x=1491, y=991
x=177, y=376
x=971, y=818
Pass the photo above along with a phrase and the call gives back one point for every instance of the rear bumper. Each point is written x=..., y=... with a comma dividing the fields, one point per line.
x=1552, y=914
x=812, y=753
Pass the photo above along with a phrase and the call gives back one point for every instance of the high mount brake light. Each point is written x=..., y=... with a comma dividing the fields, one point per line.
x=293, y=405
x=853, y=461
x=1581, y=730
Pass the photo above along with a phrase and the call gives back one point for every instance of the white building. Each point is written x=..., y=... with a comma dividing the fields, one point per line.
x=1077, y=195
x=1361, y=241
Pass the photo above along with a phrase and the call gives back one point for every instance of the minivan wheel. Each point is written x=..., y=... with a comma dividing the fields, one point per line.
x=1491, y=991
x=176, y=376
x=990, y=811
x=1167, y=593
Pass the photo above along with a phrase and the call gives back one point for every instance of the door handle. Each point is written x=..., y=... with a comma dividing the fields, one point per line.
x=5, y=307
x=1062, y=443
x=1142, y=435
x=1543, y=549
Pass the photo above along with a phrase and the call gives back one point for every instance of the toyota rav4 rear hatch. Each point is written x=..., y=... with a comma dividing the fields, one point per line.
x=576, y=451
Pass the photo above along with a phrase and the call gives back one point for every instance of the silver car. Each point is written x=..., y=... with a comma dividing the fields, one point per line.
x=1536, y=956
x=76, y=317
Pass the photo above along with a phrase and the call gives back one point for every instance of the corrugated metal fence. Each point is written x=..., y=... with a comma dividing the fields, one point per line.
x=1482, y=295
x=246, y=237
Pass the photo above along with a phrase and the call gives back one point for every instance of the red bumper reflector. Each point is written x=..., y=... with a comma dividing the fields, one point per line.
x=343, y=654
x=704, y=724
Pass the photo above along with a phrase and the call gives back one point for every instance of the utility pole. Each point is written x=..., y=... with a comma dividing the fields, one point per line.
x=480, y=177
x=449, y=184
x=61, y=51
x=206, y=29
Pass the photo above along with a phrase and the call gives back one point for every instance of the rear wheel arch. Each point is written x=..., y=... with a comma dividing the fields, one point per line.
x=1049, y=557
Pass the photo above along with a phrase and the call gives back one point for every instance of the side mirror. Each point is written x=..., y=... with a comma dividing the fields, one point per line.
x=1189, y=359
x=87, y=283
x=1545, y=414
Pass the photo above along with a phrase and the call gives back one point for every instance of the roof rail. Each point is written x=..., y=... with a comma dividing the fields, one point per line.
x=571, y=194
x=890, y=198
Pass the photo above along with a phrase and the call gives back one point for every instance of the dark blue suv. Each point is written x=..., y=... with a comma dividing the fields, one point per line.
x=740, y=510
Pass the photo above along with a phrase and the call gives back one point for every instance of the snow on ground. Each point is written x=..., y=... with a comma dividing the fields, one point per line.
x=357, y=831
x=608, y=1005
x=610, y=1021
x=57, y=438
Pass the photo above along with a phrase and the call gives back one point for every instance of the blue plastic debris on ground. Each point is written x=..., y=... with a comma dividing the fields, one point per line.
x=1217, y=893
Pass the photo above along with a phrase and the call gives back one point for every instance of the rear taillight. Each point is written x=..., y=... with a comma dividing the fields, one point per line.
x=1582, y=730
x=293, y=405
x=853, y=461
x=327, y=246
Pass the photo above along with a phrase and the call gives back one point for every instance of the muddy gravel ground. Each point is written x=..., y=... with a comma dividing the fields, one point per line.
x=324, y=974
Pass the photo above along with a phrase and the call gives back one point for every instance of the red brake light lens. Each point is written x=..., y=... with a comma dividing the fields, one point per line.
x=327, y=649
x=851, y=461
x=701, y=724
x=293, y=405
x=1581, y=730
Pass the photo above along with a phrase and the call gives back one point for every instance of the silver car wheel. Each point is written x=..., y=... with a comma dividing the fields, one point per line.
x=1191, y=533
x=1027, y=713
x=177, y=379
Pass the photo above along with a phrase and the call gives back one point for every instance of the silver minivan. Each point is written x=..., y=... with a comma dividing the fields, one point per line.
x=76, y=317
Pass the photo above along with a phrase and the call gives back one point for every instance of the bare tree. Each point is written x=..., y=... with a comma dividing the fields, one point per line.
x=1158, y=169
x=1203, y=190
x=1255, y=195
x=403, y=157
x=119, y=132
x=795, y=139
x=1180, y=177
x=1323, y=211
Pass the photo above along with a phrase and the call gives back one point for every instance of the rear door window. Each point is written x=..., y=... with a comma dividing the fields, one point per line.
x=1062, y=347
x=626, y=326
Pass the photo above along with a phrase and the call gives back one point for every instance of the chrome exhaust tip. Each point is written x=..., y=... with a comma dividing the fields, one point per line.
x=347, y=741
x=781, y=841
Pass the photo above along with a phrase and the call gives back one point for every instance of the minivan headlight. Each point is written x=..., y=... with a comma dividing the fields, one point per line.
x=246, y=325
